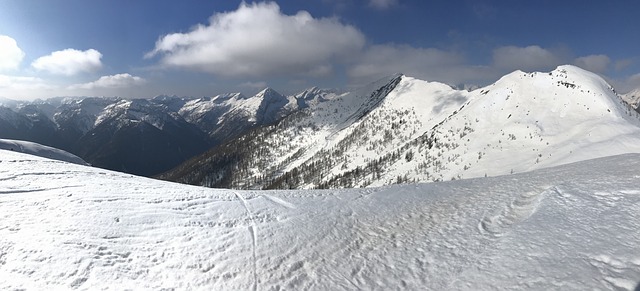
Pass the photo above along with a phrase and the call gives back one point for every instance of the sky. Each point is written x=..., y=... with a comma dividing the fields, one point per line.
x=144, y=48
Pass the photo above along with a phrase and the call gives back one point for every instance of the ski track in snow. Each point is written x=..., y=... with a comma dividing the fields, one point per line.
x=574, y=227
x=254, y=238
x=279, y=201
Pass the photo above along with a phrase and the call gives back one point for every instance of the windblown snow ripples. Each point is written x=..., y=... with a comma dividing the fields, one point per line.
x=514, y=232
x=523, y=206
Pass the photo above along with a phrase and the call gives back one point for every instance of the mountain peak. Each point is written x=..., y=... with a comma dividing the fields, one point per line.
x=268, y=91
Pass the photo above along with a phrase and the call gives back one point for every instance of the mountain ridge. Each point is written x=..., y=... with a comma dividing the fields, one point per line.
x=418, y=131
x=125, y=134
x=386, y=123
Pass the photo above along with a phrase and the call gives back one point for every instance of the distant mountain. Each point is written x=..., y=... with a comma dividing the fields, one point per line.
x=633, y=98
x=141, y=137
x=145, y=137
x=401, y=129
x=229, y=115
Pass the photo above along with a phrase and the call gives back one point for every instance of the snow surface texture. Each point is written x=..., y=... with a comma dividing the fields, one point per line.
x=573, y=227
x=40, y=150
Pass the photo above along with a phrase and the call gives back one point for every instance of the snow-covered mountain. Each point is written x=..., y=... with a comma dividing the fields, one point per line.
x=67, y=227
x=141, y=137
x=633, y=98
x=402, y=129
x=132, y=135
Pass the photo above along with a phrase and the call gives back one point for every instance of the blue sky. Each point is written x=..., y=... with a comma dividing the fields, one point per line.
x=145, y=48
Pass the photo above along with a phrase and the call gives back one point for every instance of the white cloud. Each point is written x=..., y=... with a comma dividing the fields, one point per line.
x=382, y=4
x=20, y=82
x=593, y=63
x=24, y=87
x=528, y=58
x=69, y=62
x=113, y=81
x=10, y=54
x=259, y=40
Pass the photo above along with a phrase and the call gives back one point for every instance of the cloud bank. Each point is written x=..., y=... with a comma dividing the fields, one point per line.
x=525, y=58
x=69, y=62
x=10, y=54
x=113, y=81
x=257, y=40
x=594, y=63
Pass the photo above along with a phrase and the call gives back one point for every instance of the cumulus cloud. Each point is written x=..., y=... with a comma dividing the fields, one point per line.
x=113, y=81
x=10, y=54
x=382, y=4
x=594, y=63
x=69, y=62
x=528, y=58
x=259, y=40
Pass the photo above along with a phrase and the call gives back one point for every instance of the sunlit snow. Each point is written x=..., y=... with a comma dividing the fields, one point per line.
x=573, y=227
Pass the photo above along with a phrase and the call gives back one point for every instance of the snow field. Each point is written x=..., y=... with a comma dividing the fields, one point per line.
x=573, y=227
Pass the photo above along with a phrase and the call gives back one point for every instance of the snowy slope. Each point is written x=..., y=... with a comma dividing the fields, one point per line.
x=401, y=129
x=278, y=148
x=574, y=227
x=526, y=121
x=40, y=150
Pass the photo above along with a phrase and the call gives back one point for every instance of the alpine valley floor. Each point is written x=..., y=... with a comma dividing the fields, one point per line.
x=572, y=227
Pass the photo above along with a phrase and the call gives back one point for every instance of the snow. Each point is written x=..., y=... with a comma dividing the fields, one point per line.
x=633, y=98
x=572, y=227
x=40, y=150
x=523, y=122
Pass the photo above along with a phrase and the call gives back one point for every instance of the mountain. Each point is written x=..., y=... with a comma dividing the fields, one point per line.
x=139, y=136
x=229, y=115
x=401, y=129
x=10, y=103
x=633, y=98
x=572, y=227
x=40, y=151
x=145, y=137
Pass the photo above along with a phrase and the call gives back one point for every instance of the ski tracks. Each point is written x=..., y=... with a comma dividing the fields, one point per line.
x=254, y=238
x=279, y=201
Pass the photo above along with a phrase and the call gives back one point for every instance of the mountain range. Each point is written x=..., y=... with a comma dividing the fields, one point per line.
x=145, y=136
x=401, y=129
x=395, y=130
